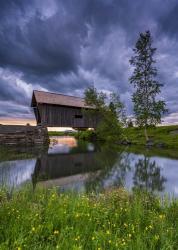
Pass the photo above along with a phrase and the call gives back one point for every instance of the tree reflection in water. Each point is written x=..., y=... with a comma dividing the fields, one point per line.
x=114, y=164
x=94, y=167
x=148, y=175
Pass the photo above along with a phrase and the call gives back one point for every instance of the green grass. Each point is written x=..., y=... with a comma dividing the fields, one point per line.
x=158, y=135
x=110, y=220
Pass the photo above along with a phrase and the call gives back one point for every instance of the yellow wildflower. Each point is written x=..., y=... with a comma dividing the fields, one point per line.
x=56, y=232
x=156, y=237
x=161, y=216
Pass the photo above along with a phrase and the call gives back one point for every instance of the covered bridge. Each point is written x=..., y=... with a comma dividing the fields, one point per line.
x=57, y=110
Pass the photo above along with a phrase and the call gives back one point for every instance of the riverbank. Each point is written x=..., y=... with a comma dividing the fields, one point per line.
x=161, y=137
x=111, y=220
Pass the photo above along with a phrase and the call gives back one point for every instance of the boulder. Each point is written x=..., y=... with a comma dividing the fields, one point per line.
x=150, y=143
x=174, y=132
x=161, y=145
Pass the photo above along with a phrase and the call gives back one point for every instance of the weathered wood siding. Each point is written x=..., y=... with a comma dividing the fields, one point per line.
x=63, y=116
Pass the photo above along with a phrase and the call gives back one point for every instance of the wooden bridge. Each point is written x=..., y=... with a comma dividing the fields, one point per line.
x=57, y=110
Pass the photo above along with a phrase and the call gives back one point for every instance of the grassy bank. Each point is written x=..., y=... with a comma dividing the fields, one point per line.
x=86, y=135
x=167, y=135
x=164, y=136
x=153, y=151
x=111, y=220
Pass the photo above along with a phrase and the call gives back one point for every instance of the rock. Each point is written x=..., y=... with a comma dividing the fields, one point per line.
x=23, y=135
x=174, y=132
x=161, y=145
x=149, y=143
x=125, y=142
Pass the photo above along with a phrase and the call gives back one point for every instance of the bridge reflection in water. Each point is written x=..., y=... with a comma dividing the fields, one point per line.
x=68, y=163
x=82, y=166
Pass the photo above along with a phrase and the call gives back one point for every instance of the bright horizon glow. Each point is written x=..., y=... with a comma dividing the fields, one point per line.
x=167, y=121
x=17, y=121
x=59, y=128
x=32, y=122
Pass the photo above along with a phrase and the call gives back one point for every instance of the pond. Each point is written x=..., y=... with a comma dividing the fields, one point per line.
x=69, y=164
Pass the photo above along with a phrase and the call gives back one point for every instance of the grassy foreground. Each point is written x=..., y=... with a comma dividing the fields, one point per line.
x=111, y=220
x=168, y=135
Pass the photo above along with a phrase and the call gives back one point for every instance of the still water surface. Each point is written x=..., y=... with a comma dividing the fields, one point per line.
x=84, y=167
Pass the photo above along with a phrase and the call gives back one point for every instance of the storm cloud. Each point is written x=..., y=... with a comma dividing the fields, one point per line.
x=65, y=46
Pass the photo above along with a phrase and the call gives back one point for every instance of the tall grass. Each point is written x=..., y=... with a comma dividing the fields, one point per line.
x=110, y=220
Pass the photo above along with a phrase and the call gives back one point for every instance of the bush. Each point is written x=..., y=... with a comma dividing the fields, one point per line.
x=87, y=135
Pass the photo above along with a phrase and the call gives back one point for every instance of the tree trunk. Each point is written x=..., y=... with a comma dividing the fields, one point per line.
x=146, y=135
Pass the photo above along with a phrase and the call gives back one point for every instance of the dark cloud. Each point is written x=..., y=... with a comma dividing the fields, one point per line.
x=40, y=46
x=68, y=45
x=169, y=22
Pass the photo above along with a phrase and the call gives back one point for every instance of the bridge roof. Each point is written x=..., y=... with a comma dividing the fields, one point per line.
x=57, y=99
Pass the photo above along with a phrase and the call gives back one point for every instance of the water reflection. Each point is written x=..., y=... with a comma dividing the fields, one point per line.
x=16, y=173
x=148, y=175
x=86, y=167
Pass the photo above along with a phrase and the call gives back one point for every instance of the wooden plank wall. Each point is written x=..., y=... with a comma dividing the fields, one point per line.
x=62, y=116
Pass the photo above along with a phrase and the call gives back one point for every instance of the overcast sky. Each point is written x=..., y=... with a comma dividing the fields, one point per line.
x=65, y=46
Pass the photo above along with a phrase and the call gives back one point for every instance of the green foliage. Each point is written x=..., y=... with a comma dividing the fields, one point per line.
x=117, y=108
x=147, y=108
x=110, y=117
x=94, y=98
x=46, y=219
x=109, y=128
x=87, y=135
